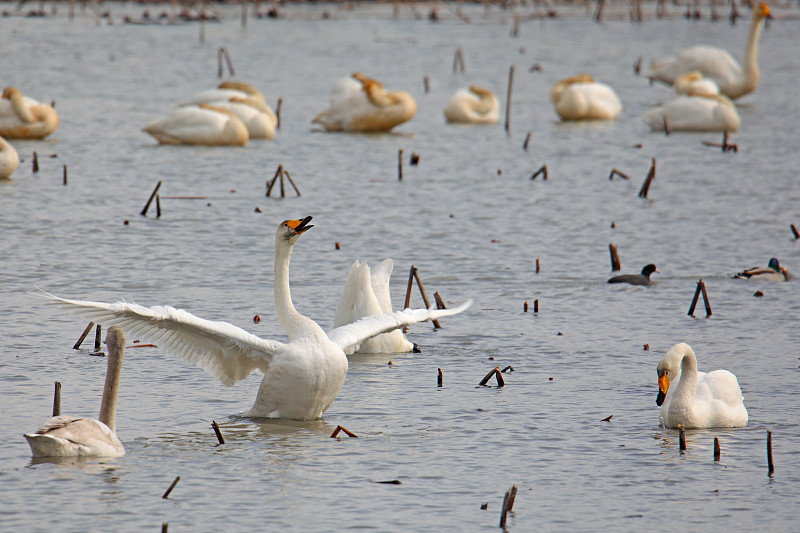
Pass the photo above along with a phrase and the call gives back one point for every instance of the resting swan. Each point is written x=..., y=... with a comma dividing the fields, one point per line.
x=224, y=92
x=370, y=109
x=581, y=98
x=24, y=118
x=258, y=117
x=772, y=272
x=475, y=105
x=693, y=83
x=9, y=160
x=65, y=436
x=716, y=63
x=202, y=124
x=301, y=377
x=694, y=113
x=698, y=400
x=366, y=293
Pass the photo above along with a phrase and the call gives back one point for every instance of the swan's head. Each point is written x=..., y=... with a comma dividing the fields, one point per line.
x=763, y=11
x=290, y=230
x=649, y=269
x=9, y=91
x=669, y=368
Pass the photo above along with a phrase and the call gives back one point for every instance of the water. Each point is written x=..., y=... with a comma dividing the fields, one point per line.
x=472, y=222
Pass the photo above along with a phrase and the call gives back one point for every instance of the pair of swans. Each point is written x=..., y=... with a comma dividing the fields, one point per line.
x=25, y=118
x=473, y=105
x=697, y=399
x=359, y=104
x=66, y=436
x=9, y=160
x=581, y=98
x=301, y=377
x=717, y=64
x=774, y=271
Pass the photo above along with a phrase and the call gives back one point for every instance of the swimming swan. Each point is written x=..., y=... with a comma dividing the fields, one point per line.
x=9, y=160
x=65, y=436
x=474, y=105
x=772, y=272
x=224, y=92
x=301, y=377
x=24, y=118
x=698, y=400
x=257, y=116
x=366, y=293
x=694, y=113
x=716, y=63
x=202, y=124
x=581, y=98
x=371, y=108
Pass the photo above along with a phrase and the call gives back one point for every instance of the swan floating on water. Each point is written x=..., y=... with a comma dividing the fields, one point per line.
x=25, y=118
x=694, y=113
x=9, y=160
x=366, y=293
x=716, y=63
x=772, y=272
x=636, y=279
x=474, y=105
x=223, y=93
x=201, y=124
x=301, y=377
x=693, y=83
x=698, y=400
x=65, y=436
x=369, y=108
x=581, y=98
x=258, y=117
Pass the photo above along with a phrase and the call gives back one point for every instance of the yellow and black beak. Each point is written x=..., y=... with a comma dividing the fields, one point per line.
x=299, y=226
x=663, y=386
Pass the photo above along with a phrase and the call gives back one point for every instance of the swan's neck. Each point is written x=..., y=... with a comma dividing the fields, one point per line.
x=750, y=63
x=485, y=100
x=20, y=109
x=293, y=322
x=108, y=405
x=683, y=398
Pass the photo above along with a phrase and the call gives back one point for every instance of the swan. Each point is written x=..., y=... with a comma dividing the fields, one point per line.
x=202, y=124
x=366, y=293
x=772, y=272
x=716, y=63
x=694, y=84
x=474, y=105
x=65, y=436
x=301, y=377
x=694, y=113
x=224, y=92
x=25, y=118
x=698, y=400
x=257, y=116
x=371, y=108
x=581, y=98
x=9, y=160
x=636, y=279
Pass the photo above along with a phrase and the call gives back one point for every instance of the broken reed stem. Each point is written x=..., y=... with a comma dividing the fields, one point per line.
x=271, y=182
x=770, y=465
x=705, y=298
x=650, y=175
x=215, y=427
x=158, y=206
x=400, y=165
x=615, y=172
x=458, y=61
x=794, y=231
x=57, y=399
x=615, y=264
x=527, y=140
x=439, y=379
x=35, y=164
x=278, y=113
x=508, y=99
x=97, y=338
x=426, y=83
x=283, y=191
x=666, y=126
x=202, y=30
x=164, y=527
x=498, y=375
x=717, y=451
x=83, y=336
x=598, y=12
x=701, y=287
x=289, y=177
x=172, y=486
x=537, y=265
x=244, y=14
x=346, y=432
x=542, y=170
x=681, y=438
x=425, y=298
x=439, y=301
x=222, y=53
x=525, y=307
x=536, y=306
x=150, y=200
x=64, y=175
x=508, y=500
x=411, y=273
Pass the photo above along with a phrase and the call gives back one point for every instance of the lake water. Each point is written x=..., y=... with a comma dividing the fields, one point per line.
x=468, y=217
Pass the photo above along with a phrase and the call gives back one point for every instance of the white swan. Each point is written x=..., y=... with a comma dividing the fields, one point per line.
x=694, y=113
x=65, y=436
x=716, y=63
x=301, y=377
x=257, y=116
x=698, y=400
x=224, y=92
x=9, y=160
x=694, y=84
x=581, y=98
x=366, y=293
x=369, y=109
x=474, y=105
x=202, y=124
x=25, y=118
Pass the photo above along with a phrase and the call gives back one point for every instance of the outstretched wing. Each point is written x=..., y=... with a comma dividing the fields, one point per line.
x=350, y=336
x=222, y=349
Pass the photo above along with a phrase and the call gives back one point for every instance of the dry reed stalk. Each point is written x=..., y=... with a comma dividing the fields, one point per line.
x=615, y=264
x=650, y=175
x=150, y=200
x=346, y=432
x=57, y=399
x=172, y=486
x=83, y=336
x=215, y=426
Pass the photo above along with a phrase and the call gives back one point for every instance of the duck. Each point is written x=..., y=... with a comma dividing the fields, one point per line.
x=692, y=112
x=302, y=377
x=693, y=83
x=371, y=108
x=66, y=436
x=774, y=271
x=258, y=117
x=366, y=293
x=25, y=118
x=9, y=160
x=581, y=98
x=202, y=124
x=223, y=93
x=718, y=64
x=636, y=279
x=474, y=105
x=698, y=399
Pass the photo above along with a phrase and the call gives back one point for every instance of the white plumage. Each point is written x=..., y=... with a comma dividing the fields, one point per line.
x=25, y=118
x=201, y=124
x=474, y=105
x=581, y=98
x=694, y=113
x=9, y=159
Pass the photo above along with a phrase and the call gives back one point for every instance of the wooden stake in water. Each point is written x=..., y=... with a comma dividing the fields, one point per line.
x=57, y=399
x=681, y=438
x=158, y=206
x=172, y=486
x=83, y=336
x=650, y=175
x=508, y=503
x=525, y=307
x=439, y=379
x=97, y=338
x=615, y=264
x=542, y=170
x=64, y=177
x=770, y=465
x=794, y=231
x=508, y=99
x=426, y=82
x=222, y=54
x=458, y=61
x=527, y=140
x=717, y=451
x=493, y=372
x=215, y=427
x=150, y=200
x=615, y=172
x=439, y=301
x=425, y=298
x=536, y=306
x=278, y=113
x=400, y=165
x=35, y=165
x=537, y=265
x=346, y=432
x=705, y=298
x=408, y=289
x=701, y=288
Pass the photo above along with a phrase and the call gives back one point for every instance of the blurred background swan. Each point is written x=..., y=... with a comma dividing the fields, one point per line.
x=257, y=116
x=25, y=118
x=224, y=92
x=694, y=83
x=474, y=105
x=9, y=160
x=694, y=113
x=202, y=124
x=581, y=98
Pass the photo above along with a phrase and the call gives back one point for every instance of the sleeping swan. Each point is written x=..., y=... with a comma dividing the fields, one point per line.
x=694, y=113
x=25, y=118
x=9, y=160
x=201, y=124
x=697, y=400
x=475, y=105
x=581, y=98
